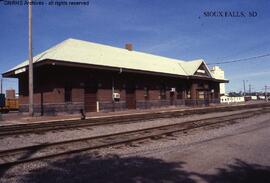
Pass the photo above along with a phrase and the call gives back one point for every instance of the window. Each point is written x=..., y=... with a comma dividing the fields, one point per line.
x=201, y=95
x=146, y=93
x=68, y=94
x=163, y=93
x=179, y=94
x=201, y=85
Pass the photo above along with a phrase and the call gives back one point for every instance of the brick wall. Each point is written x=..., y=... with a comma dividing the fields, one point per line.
x=154, y=94
x=140, y=94
x=50, y=82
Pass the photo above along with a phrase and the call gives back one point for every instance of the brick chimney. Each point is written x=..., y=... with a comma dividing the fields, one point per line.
x=129, y=46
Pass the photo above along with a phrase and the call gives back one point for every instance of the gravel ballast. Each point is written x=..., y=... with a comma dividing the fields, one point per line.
x=23, y=140
x=151, y=160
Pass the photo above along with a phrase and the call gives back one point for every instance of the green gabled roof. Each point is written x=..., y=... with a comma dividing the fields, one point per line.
x=77, y=51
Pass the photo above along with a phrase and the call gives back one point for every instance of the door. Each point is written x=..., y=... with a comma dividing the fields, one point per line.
x=200, y=97
x=171, y=98
x=130, y=98
x=90, y=99
x=207, y=98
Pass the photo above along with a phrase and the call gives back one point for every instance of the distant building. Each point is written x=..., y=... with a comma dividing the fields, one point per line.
x=218, y=73
x=227, y=100
x=76, y=75
x=10, y=94
x=261, y=97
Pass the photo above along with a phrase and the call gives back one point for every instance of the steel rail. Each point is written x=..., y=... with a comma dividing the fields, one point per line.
x=43, y=151
x=69, y=124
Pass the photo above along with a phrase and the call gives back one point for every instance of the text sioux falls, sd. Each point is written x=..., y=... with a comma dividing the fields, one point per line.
x=230, y=14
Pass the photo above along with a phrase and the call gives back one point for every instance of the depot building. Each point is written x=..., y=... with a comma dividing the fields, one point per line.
x=76, y=75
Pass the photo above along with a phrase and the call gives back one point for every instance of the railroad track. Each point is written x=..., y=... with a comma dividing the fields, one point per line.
x=43, y=151
x=72, y=124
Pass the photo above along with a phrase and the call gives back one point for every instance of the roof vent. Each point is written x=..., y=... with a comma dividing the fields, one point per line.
x=129, y=46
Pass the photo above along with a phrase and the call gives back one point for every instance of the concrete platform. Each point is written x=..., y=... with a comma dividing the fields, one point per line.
x=19, y=118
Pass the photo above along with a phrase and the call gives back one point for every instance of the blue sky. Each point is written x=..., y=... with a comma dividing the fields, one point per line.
x=175, y=28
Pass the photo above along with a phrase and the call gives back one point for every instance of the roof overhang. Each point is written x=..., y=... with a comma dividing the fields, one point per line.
x=15, y=73
x=209, y=79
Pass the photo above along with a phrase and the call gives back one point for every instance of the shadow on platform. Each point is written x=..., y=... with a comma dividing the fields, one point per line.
x=239, y=172
x=114, y=169
x=110, y=168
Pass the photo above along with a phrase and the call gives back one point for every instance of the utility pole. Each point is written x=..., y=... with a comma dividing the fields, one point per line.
x=249, y=89
x=1, y=85
x=1, y=93
x=244, y=83
x=31, y=92
x=265, y=88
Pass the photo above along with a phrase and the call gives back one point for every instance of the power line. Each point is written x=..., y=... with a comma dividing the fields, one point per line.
x=241, y=60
